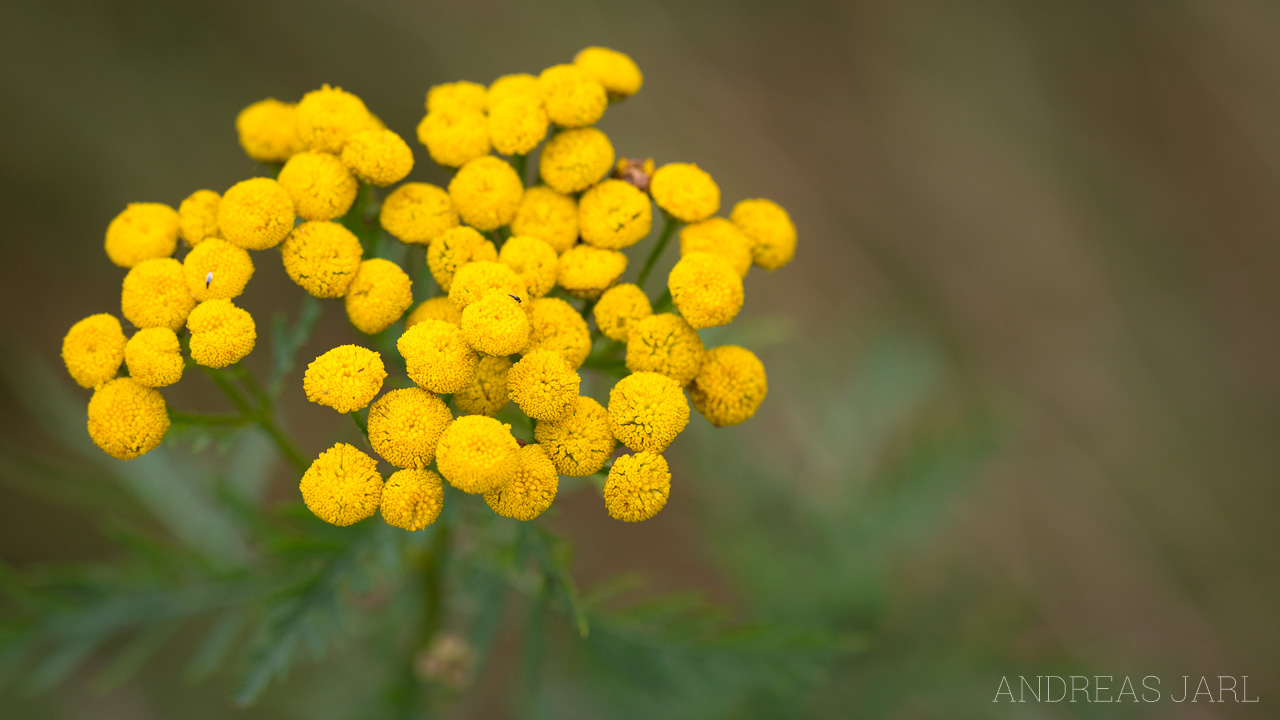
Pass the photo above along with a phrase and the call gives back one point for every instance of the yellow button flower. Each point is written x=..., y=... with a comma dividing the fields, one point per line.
x=198, y=216
x=517, y=123
x=488, y=394
x=216, y=269
x=773, y=236
x=378, y=295
x=486, y=193
x=705, y=289
x=321, y=187
x=342, y=486
x=587, y=271
x=155, y=294
x=437, y=357
x=255, y=214
x=405, y=426
x=686, y=191
x=221, y=333
x=544, y=385
x=436, y=308
x=475, y=280
x=665, y=344
x=496, y=324
x=719, y=236
x=535, y=261
x=647, y=411
x=477, y=454
x=614, y=215
x=619, y=309
x=573, y=97
x=454, y=248
x=346, y=378
x=412, y=499
x=580, y=442
x=322, y=257
x=730, y=386
x=455, y=137
x=531, y=491
x=417, y=212
x=574, y=160
x=616, y=71
x=638, y=487
x=328, y=117
x=549, y=216
x=127, y=419
x=154, y=357
x=93, y=350
x=461, y=95
x=142, y=231
x=555, y=325
x=268, y=130
x=378, y=157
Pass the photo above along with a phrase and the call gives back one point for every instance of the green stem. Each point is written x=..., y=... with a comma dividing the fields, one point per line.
x=260, y=416
x=206, y=418
x=668, y=229
x=663, y=303
x=433, y=585
x=360, y=422
x=521, y=164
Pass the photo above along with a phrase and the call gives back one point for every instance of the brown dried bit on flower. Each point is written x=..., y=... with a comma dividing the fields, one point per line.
x=635, y=171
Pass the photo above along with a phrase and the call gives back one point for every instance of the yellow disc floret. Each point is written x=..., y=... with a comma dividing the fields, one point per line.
x=378, y=295
x=405, y=426
x=321, y=187
x=719, y=236
x=555, y=325
x=454, y=248
x=686, y=191
x=346, y=378
x=773, y=236
x=486, y=193
x=475, y=280
x=517, y=123
x=575, y=160
x=665, y=344
x=461, y=95
x=580, y=442
x=417, y=212
x=637, y=487
x=587, y=271
x=573, y=97
x=268, y=130
x=647, y=411
x=255, y=214
x=142, y=231
x=436, y=308
x=154, y=357
x=616, y=71
x=496, y=324
x=93, y=349
x=534, y=261
x=517, y=84
x=437, y=357
x=217, y=269
x=155, y=294
x=127, y=419
x=328, y=117
x=322, y=257
x=730, y=386
x=705, y=289
x=488, y=394
x=378, y=157
x=477, y=454
x=614, y=215
x=544, y=385
x=342, y=486
x=531, y=491
x=412, y=499
x=198, y=216
x=619, y=309
x=221, y=333
x=549, y=216
x=455, y=137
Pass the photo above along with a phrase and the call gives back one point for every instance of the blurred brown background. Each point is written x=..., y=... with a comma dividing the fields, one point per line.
x=1073, y=201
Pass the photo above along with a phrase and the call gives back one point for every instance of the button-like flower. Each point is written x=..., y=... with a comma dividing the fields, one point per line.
x=686, y=191
x=345, y=378
x=461, y=95
x=378, y=295
x=405, y=426
x=417, y=212
x=517, y=123
x=580, y=442
x=436, y=308
x=142, y=231
x=614, y=215
x=216, y=269
x=531, y=491
x=488, y=394
x=543, y=385
x=437, y=357
x=342, y=486
x=574, y=160
x=637, y=487
x=619, y=309
x=378, y=157
x=617, y=72
x=321, y=187
x=93, y=350
x=268, y=130
x=221, y=333
x=198, y=216
x=127, y=419
x=154, y=357
x=328, y=117
x=773, y=236
x=454, y=248
x=155, y=294
x=548, y=216
x=486, y=192
x=515, y=84
x=665, y=344
x=587, y=271
x=647, y=411
x=322, y=257
x=555, y=325
x=255, y=214
x=477, y=454
x=455, y=137
x=706, y=289
x=412, y=499
x=496, y=324
x=535, y=261
x=574, y=98
x=477, y=279
x=730, y=386
x=719, y=236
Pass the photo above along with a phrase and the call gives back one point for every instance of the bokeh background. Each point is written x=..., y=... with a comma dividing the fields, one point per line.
x=1024, y=371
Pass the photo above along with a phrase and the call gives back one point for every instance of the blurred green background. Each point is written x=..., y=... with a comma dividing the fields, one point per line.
x=1024, y=381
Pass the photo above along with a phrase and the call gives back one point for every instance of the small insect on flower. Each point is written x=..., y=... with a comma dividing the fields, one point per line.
x=208, y=279
x=513, y=297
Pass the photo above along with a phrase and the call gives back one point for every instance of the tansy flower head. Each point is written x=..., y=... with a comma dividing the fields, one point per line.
x=345, y=378
x=543, y=385
x=93, y=349
x=517, y=84
x=517, y=123
x=580, y=442
x=531, y=491
x=617, y=72
x=378, y=295
x=321, y=187
x=412, y=499
x=574, y=160
x=142, y=231
x=614, y=215
x=255, y=214
x=665, y=344
x=322, y=257
x=155, y=294
x=417, y=213
x=474, y=280
x=706, y=289
x=216, y=269
x=587, y=271
x=730, y=386
x=573, y=97
x=647, y=411
x=328, y=117
x=488, y=394
x=496, y=324
x=773, y=236
x=548, y=216
x=534, y=261
x=378, y=157
x=454, y=137
x=436, y=308
x=342, y=486
x=454, y=248
x=198, y=216
x=268, y=130
x=619, y=309
x=637, y=487
x=477, y=454
x=686, y=191
x=126, y=418
x=461, y=95
x=405, y=426
x=437, y=357
x=486, y=193
x=221, y=333
x=719, y=236
x=555, y=325
x=154, y=357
